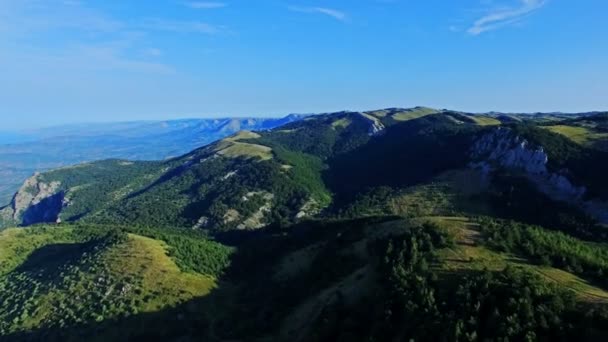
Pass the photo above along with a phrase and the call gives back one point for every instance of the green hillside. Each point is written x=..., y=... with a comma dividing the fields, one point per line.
x=317, y=281
x=590, y=131
x=387, y=225
x=62, y=277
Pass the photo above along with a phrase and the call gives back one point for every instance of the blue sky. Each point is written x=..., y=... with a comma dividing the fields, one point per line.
x=105, y=60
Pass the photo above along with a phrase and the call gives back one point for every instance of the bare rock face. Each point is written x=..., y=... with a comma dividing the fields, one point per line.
x=503, y=148
x=32, y=192
x=508, y=150
x=256, y=220
x=310, y=208
x=35, y=202
x=203, y=222
x=376, y=127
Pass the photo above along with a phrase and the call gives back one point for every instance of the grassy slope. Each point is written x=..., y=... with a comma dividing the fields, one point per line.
x=232, y=147
x=450, y=193
x=457, y=192
x=484, y=120
x=413, y=114
x=580, y=135
x=469, y=254
x=160, y=278
x=16, y=244
x=50, y=280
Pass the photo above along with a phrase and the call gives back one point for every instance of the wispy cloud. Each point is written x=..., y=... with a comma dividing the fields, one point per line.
x=505, y=16
x=33, y=16
x=205, y=4
x=75, y=59
x=336, y=14
x=110, y=57
x=153, y=52
x=178, y=26
x=92, y=39
x=29, y=16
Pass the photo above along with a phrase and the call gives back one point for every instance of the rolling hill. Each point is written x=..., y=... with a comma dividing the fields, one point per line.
x=394, y=224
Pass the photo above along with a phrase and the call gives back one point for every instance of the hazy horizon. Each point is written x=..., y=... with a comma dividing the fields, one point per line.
x=99, y=121
x=90, y=60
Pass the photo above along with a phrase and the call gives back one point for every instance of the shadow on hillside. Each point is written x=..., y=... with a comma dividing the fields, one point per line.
x=200, y=319
x=166, y=177
x=191, y=321
x=416, y=151
x=45, y=211
x=50, y=260
x=250, y=311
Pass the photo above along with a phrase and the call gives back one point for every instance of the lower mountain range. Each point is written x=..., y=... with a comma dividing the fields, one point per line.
x=35, y=150
x=386, y=225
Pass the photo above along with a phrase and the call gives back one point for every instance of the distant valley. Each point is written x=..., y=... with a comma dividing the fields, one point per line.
x=23, y=154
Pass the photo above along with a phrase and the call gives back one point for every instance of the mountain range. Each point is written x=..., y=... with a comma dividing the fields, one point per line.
x=387, y=225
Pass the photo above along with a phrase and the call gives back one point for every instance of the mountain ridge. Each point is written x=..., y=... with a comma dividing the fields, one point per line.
x=330, y=140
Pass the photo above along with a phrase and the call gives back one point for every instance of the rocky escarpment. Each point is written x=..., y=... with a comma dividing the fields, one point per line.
x=255, y=220
x=502, y=148
x=35, y=202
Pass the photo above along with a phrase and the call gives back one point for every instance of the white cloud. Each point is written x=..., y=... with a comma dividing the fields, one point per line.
x=336, y=14
x=205, y=4
x=505, y=16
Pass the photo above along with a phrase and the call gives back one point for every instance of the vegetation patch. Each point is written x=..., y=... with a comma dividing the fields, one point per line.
x=412, y=114
x=238, y=149
x=581, y=135
x=484, y=120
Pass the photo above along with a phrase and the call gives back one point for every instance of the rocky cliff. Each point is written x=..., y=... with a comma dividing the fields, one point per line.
x=502, y=148
x=35, y=202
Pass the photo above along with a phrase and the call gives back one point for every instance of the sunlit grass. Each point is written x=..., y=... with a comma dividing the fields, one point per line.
x=49, y=279
x=579, y=135
x=469, y=254
x=485, y=120
x=413, y=114
x=145, y=260
x=17, y=243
